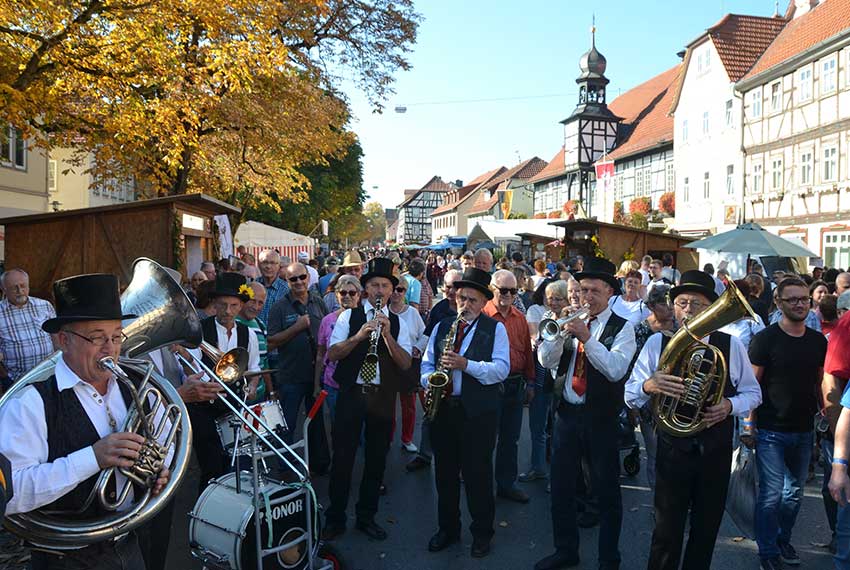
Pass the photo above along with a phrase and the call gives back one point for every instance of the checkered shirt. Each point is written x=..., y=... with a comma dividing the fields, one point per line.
x=22, y=341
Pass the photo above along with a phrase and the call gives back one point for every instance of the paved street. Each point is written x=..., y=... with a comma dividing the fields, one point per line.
x=523, y=532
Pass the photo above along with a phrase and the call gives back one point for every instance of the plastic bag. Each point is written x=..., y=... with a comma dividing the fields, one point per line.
x=743, y=491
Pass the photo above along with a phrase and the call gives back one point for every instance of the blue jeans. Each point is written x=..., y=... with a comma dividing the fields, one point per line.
x=330, y=401
x=538, y=413
x=782, y=459
x=510, y=425
x=842, y=516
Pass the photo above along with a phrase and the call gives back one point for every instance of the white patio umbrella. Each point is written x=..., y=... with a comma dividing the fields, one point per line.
x=752, y=239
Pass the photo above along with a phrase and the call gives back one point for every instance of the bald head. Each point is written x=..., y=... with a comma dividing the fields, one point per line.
x=842, y=283
x=253, y=307
x=483, y=259
x=503, y=278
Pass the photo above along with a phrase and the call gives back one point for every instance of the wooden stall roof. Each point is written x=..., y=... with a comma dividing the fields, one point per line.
x=203, y=202
x=593, y=224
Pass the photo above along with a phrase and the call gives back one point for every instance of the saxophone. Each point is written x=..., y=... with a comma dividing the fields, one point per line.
x=439, y=379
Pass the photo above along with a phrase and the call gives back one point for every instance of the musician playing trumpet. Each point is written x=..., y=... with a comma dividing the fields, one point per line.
x=59, y=434
x=463, y=433
x=692, y=473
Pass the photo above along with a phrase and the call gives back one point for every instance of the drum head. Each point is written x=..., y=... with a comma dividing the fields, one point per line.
x=289, y=522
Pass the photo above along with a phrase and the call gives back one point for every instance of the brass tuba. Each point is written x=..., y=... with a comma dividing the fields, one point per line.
x=166, y=316
x=703, y=368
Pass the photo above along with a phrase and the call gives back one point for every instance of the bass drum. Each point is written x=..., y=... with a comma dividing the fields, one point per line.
x=222, y=532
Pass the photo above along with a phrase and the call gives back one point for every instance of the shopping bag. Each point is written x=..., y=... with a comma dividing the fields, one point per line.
x=743, y=491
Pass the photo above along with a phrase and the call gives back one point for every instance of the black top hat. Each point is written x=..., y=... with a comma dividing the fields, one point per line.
x=600, y=268
x=379, y=267
x=230, y=284
x=86, y=298
x=695, y=281
x=477, y=279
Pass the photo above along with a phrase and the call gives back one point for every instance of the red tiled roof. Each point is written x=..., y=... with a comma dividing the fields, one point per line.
x=651, y=125
x=555, y=168
x=822, y=22
x=466, y=191
x=436, y=184
x=739, y=40
x=483, y=204
x=522, y=171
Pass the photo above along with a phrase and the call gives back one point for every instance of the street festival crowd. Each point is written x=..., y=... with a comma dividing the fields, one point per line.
x=477, y=320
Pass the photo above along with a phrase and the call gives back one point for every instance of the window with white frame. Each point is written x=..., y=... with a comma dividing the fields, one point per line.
x=758, y=177
x=827, y=75
x=755, y=103
x=638, y=182
x=647, y=181
x=729, y=122
x=830, y=163
x=776, y=174
x=51, y=176
x=705, y=122
x=618, y=187
x=804, y=84
x=685, y=130
x=775, y=97
x=706, y=186
x=670, y=175
x=13, y=148
x=806, y=167
x=686, y=190
x=730, y=179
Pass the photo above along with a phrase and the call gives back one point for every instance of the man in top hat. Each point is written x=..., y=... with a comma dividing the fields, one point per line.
x=463, y=434
x=59, y=434
x=367, y=395
x=225, y=333
x=590, y=368
x=692, y=473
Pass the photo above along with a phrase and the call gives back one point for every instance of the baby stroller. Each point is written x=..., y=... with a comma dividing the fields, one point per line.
x=628, y=444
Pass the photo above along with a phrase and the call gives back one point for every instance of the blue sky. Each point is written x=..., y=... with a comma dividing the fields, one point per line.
x=471, y=51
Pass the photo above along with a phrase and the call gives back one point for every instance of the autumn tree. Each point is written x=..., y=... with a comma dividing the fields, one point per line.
x=229, y=97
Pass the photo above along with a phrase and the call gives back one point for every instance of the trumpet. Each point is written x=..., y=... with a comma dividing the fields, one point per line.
x=551, y=329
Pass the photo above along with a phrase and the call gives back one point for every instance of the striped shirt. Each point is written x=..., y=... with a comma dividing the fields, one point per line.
x=259, y=329
x=22, y=341
x=274, y=293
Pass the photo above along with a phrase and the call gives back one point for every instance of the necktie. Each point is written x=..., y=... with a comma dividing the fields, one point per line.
x=369, y=370
x=461, y=331
x=579, y=382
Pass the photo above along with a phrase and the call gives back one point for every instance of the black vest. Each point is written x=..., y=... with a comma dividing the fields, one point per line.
x=69, y=429
x=477, y=398
x=718, y=435
x=211, y=336
x=603, y=397
x=348, y=368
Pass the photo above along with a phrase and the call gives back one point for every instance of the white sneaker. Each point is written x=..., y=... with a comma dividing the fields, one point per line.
x=410, y=447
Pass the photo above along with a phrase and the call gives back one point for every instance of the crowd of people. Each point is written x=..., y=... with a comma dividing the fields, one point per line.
x=372, y=328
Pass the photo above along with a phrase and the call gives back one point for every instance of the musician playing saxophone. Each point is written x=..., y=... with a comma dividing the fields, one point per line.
x=59, y=434
x=692, y=473
x=367, y=394
x=463, y=433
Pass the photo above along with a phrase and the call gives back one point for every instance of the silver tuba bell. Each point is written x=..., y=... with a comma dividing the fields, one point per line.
x=166, y=317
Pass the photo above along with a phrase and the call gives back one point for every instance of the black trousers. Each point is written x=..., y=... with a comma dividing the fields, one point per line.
x=578, y=433
x=694, y=480
x=464, y=445
x=121, y=555
x=354, y=412
x=155, y=537
x=206, y=442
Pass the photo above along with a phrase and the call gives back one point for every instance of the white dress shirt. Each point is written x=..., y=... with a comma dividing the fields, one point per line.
x=416, y=327
x=612, y=364
x=226, y=343
x=23, y=439
x=340, y=333
x=740, y=374
x=485, y=372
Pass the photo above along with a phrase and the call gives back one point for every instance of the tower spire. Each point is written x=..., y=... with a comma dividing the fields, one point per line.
x=593, y=32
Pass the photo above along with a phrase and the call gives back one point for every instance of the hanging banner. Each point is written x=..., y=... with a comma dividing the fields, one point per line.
x=225, y=236
x=507, y=199
x=605, y=187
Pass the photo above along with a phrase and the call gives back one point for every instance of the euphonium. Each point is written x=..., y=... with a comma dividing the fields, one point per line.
x=703, y=367
x=166, y=317
x=551, y=329
x=440, y=378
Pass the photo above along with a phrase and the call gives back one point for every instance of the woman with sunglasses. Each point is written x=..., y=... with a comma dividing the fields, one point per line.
x=407, y=395
x=347, y=293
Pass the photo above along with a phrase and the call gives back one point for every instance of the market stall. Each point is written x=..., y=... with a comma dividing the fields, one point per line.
x=256, y=237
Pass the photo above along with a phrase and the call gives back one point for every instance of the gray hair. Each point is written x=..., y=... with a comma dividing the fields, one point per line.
x=483, y=252
x=269, y=254
x=8, y=271
x=455, y=273
x=558, y=287
x=501, y=273
x=658, y=295
x=348, y=280
x=843, y=302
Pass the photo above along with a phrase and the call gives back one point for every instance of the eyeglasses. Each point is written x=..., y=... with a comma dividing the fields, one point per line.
x=796, y=300
x=348, y=293
x=101, y=340
x=693, y=304
x=400, y=289
x=295, y=278
x=507, y=290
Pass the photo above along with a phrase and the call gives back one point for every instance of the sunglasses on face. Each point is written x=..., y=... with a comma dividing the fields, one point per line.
x=348, y=293
x=400, y=289
x=508, y=290
x=295, y=278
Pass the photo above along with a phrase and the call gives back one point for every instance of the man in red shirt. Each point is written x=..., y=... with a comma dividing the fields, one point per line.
x=501, y=309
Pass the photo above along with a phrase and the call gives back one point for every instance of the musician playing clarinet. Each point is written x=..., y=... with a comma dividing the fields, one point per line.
x=368, y=388
x=463, y=433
